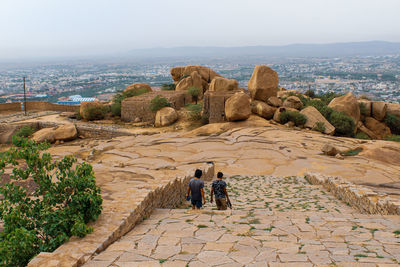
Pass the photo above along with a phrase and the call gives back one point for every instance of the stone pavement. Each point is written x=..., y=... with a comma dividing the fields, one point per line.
x=274, y=222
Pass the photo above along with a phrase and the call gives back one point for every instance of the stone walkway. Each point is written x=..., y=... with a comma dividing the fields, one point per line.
x=274, y=222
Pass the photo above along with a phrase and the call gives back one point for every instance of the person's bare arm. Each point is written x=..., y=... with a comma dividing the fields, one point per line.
x=188, y=192
x=212, y=195
x=202, y=194
x=226, y=194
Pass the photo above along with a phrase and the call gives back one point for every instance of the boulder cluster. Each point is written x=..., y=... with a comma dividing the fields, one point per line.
x=66, y=132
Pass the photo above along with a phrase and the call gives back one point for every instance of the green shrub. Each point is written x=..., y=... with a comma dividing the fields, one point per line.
x=195, y=111
x=343, y=124
x=25, y=131
x=135, y=92
x=297, y=118
x=195, y=93
x=327, y=97
x=352, y=152
x=393, y=122
x=310, y=93
x=158, y=103
x=395, y=138
x=319, y=127
x=363, y=109
x=321, y=107
x=64, y=200
x=168, y=87
x=361, y=135
x=303, y=99
x=95, y=112
x=78, y=114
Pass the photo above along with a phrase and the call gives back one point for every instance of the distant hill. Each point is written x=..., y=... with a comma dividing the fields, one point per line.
x=371, y=48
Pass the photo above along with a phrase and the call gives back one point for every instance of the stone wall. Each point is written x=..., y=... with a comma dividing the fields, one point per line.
x=44, y=106
x=139, y=106
x=10, y=107
x=359, y=197
x=214, y=105
x=110, y=227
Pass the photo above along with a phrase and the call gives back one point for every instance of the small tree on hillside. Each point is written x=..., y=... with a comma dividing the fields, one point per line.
x=195, y=93
x=158, y=103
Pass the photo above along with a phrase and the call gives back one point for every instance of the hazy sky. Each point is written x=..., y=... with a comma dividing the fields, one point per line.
x=86, y=27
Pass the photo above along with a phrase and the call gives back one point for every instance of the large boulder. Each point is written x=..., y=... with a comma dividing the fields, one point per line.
x=394, y=109
x=85, y=106
x=378, y=128
x=293, y=102
x=262, y=109
x=166, y=116
x=263, y=83
x=347, y=104
x=313, y=117
x=66, y=132
x=45, y=134
x=361, y=128
x=193, y=80
x=237, y=107
x=330, y=150
x=138, y=86
x=223, y=84
x=278, y=112
x=206, y=73
x=379, y=109
x=274, y=101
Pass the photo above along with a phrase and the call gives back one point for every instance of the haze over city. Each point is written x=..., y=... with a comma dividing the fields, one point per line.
x=45, y=28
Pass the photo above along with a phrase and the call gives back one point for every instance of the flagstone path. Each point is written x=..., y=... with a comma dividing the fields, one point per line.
x=274, y=222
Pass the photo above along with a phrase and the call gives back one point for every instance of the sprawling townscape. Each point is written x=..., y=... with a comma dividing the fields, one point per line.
x=377, y=77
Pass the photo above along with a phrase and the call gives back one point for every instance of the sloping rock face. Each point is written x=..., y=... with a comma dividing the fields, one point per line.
x=393, y=108
x=206, y=73
x=136, y=86
x=379, y=110
x=274, y=101
x=237, y=107
x=262, y=109
x=378, y=128
x=347, y=104
x=85, y=105
x=223, y=84
x=166, y=116
x=66, y=132
x=44, y=135
x=314, y=116
x=293, y=102
x=194, y=80
x=263, y=83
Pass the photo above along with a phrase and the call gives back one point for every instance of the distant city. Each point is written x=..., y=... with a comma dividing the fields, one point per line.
x=377, y=77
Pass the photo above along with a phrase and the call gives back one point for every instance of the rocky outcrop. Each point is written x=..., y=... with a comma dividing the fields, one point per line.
x=138, y=86
x=274, y=101
x=166, y=116
x=193, y=80
x=394, y=109
x=313, y=117
x=367, y=106
x=44, y=135
x=378, y=128
x=347, y=104
x=262, y=109
x=223, y=84
x=263, y=83
x=279, y=111
x=361, y=128
x=293, y=102
x=379, y=109
x=206, y=73
x=66, y=132
x=237, y=107
x=329, y=150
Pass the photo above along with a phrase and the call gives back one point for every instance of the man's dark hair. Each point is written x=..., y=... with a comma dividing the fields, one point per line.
x=220, y=174
x=198, y=173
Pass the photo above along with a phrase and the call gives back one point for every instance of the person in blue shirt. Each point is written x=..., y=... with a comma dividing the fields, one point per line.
x=218, y=188
x=196, y=188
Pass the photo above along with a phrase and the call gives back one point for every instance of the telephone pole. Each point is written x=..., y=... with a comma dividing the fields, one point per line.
x=24, y=97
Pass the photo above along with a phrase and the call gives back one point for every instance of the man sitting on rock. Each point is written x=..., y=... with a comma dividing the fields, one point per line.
x=196, y=187
x=218, y=188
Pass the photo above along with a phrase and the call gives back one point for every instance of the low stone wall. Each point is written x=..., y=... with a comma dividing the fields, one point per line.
x=44, y=106
x=111, y=226
x=10, y=107
x=359, y=197
x=139, y=106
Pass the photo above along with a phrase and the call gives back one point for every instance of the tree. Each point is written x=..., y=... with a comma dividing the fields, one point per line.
x=195, y=93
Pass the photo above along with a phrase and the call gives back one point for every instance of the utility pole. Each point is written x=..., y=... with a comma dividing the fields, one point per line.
x=24, y=97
